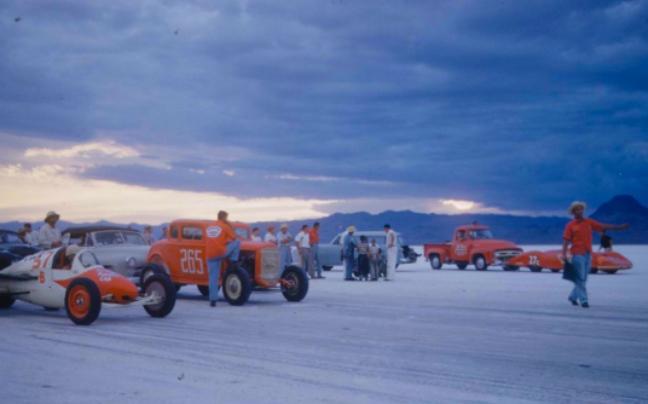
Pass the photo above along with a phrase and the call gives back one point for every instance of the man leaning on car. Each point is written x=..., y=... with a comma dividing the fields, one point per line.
x=222, y=244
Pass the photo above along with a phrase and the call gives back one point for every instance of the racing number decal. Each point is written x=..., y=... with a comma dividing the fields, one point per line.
x=191, y=261
x=41, y=260
x=534, y=260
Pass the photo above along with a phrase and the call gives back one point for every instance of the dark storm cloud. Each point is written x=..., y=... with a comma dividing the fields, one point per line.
x=519, y=105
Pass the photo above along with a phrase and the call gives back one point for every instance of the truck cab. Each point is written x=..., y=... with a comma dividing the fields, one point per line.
x=471, y=244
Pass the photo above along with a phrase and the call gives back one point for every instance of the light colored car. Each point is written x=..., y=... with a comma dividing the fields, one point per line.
x=330, y=254
x=119, y=249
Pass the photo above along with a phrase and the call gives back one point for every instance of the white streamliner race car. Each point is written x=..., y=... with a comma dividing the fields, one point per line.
x=75, y=280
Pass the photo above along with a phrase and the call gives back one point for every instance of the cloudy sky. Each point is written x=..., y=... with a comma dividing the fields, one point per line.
x=149, y=110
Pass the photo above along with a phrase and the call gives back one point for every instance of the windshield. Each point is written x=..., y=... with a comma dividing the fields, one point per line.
x=115, y=237
x=88, y=259
x=481, y=235
x=242, y=232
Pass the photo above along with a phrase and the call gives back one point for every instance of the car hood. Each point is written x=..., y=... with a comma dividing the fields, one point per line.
x=495, y=245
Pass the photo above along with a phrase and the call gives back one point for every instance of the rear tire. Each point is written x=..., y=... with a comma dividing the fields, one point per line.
x=461, y=265
x=612, y=272
x=204, y=290
x=82, y=301
x=6, y=301
x=327, y=268
x=510, y=267
x=535, y=268
x=297, y=276
x=161, y=285
x=555, y=271
x=480, y=263
x=237, y=286
x=435, y=261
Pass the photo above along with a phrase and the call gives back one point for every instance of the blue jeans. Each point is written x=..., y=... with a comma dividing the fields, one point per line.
x=232, y=252
x=582, y=264
x=315, y=260
x=285, y=257
x=349, y=263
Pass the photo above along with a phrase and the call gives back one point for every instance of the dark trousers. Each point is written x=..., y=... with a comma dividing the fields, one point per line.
x=363, y=265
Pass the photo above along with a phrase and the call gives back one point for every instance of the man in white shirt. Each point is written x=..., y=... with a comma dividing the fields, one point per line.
x=48, y=235
x=270, y=236
x=391, y=245
x=302, y=240
x=256, y=237
x=31, y=238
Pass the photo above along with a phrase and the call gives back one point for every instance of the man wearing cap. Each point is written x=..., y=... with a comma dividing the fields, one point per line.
x=48, y=235
x=392, y=252
x=222, y=244
x=577, y=237
x=349, y=245
x=284, y=240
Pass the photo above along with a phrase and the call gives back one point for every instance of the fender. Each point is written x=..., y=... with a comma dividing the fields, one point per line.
x=111, y=284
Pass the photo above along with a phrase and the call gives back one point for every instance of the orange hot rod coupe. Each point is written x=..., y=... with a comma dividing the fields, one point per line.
x=181, y=256
x=536, y=261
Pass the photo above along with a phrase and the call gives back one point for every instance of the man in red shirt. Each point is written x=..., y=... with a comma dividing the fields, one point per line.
x=314, y=240
x=577, y=237
x=222, y=243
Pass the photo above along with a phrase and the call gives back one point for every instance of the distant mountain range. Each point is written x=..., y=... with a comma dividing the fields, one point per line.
x=418, y=228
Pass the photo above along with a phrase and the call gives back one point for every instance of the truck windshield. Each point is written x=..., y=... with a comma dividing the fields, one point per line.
x=242, y=233
x=481, y=235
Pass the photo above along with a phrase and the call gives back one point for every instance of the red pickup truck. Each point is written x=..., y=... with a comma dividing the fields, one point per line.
x=472, y=244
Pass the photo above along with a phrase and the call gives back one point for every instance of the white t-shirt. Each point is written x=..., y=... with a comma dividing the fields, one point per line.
x=303, y=239
x=48, y=235
x=270, y=238
x=256, y=239
x=391, y=240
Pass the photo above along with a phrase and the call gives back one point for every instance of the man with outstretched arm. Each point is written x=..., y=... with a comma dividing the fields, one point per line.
x=577, y=248
x=222, y=243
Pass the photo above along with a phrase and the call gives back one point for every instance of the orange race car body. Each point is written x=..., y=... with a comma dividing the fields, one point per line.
x=182, y=256
x=536, y=261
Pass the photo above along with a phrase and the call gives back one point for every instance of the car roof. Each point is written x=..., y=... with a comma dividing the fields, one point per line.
x=369, y=232
x=206, y=221
x=90, y=229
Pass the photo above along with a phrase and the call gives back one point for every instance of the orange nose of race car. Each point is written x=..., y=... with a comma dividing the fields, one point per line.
x=111, y=283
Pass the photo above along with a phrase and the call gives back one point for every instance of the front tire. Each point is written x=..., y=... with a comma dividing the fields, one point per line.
x=480, y=263
x=298, y=281
x=150, y=270
x=6, y=301
x=162, y=286
x=535, y=268
x=82, y=301
x=435, y=261
x=237, y=286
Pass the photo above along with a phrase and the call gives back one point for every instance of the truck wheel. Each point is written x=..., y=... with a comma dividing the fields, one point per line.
x=535, y=268
x=178, y=286
x=149, y=270
x=82, y=301
x=480, y=263
x=555, y=271
x=435, y=261
x=461, y=265
x=204, y=290
x=236, y=286
x=162, y=286
x=327, y=268
x=295, y=286
x=593, y=270
x=6, y=301
x=511, y=267
x=614, y=271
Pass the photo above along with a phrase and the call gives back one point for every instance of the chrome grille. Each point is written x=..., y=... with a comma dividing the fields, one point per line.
x=270, y=264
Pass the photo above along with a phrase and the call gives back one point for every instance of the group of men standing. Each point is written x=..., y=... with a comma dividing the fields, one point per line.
x=48, y=236
x=350, y=245
x=306, y=242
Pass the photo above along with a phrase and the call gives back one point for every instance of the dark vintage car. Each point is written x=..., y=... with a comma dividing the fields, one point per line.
x=12, y=248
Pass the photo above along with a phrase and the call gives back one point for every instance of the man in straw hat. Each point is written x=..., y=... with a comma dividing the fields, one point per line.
x=577, y=238
x=48, y=235
x=349, y=245
x=284, y=240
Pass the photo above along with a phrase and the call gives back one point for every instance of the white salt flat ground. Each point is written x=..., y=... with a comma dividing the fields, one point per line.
x=431, y=336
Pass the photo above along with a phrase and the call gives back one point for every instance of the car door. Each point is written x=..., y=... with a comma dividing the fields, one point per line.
x=191, y=255
x=330, y=253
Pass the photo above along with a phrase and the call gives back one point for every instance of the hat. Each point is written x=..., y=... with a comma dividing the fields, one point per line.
x=576, y=204
x=283, y=226
x=51, y=213
x=351, y=229
x=72, y=249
